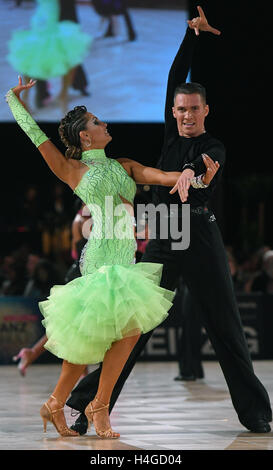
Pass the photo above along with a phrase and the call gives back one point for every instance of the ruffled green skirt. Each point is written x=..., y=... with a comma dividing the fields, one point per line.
x=48, y=53
x=84, y=317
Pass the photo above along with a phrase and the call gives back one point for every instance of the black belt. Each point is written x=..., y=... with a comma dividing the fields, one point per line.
x=194, y=210
x=199, y=210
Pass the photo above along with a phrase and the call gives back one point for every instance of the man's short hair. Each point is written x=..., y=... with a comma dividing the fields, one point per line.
x=189, y=89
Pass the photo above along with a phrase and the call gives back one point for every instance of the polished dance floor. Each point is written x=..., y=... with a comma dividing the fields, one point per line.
x=153, y=412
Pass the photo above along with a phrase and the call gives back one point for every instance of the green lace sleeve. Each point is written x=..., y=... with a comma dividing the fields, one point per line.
x=25, y=120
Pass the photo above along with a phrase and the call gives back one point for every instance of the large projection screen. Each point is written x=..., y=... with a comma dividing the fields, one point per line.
x=126, y=78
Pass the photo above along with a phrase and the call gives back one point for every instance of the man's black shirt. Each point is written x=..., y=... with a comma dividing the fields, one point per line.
x=186, y=150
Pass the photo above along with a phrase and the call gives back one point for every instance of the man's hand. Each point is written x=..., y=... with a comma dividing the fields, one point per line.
x=201, y=23
x=183, y=183
x=212, y=168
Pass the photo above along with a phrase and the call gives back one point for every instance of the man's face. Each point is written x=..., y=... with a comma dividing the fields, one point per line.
x=190, y=112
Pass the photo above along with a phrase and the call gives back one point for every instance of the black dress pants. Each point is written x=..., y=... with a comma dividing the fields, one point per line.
x=204, y=268
x=189, y=343
x=130, y=28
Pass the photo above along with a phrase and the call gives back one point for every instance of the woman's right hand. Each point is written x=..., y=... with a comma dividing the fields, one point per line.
x=20, y=87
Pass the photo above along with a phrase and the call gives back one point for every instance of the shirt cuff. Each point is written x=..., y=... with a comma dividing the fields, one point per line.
x=190, y=166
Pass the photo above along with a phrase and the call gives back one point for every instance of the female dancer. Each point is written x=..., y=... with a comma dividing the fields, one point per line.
x=27, y=356
x=51, y=48
x=99, y=316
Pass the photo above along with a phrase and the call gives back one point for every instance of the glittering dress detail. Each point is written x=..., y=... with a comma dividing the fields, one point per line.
x=112, y=239
x=114, y=298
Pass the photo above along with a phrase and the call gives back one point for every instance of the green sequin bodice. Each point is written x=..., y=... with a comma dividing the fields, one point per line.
x=105, y=188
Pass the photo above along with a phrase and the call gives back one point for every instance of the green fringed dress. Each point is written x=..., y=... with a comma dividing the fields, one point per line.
x=114, y=298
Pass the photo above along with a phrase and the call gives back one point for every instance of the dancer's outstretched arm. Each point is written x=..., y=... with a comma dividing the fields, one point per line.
x=61, y=167
x=149, y=175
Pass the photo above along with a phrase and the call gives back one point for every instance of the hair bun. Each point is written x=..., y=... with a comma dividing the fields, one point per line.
x=69, y=131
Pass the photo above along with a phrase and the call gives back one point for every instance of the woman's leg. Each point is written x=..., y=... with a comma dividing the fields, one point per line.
x=67, y=80
x=70, y=374
x=113, y=363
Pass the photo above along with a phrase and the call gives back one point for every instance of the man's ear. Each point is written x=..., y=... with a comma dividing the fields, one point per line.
x=173, y=109
x=207, y=109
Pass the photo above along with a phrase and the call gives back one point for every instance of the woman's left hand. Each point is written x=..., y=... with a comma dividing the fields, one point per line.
x=183, y=183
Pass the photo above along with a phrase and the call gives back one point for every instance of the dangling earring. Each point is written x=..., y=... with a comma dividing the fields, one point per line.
x=88, y=145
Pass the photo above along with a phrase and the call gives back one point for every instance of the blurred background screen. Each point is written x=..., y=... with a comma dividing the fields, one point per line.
x=123, y=75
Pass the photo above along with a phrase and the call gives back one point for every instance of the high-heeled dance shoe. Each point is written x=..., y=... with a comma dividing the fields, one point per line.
x=47, y=414
x=26, y=358
x=89, y=413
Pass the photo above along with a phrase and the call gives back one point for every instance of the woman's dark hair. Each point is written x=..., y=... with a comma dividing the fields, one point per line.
x=190, y=88
x=69, y=131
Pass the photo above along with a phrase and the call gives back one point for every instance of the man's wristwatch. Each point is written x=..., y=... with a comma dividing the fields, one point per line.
x=189, y=166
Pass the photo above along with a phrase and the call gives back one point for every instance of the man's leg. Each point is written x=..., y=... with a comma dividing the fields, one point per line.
x=80, y=80
x=196, y=339
x=87, y=388
x=189, y=354
x=130, y=29
x=206, y=272
x=184, y=345
x=42, y=93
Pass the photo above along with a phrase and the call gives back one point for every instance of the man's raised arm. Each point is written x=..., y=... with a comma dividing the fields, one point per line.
x=178, y=73
x=182, y=62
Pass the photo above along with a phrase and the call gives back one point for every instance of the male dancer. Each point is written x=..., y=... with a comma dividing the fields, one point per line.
x=110, y=9
x=203, y=265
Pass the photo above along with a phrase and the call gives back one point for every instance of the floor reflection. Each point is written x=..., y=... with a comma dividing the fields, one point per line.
x=252, y=441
